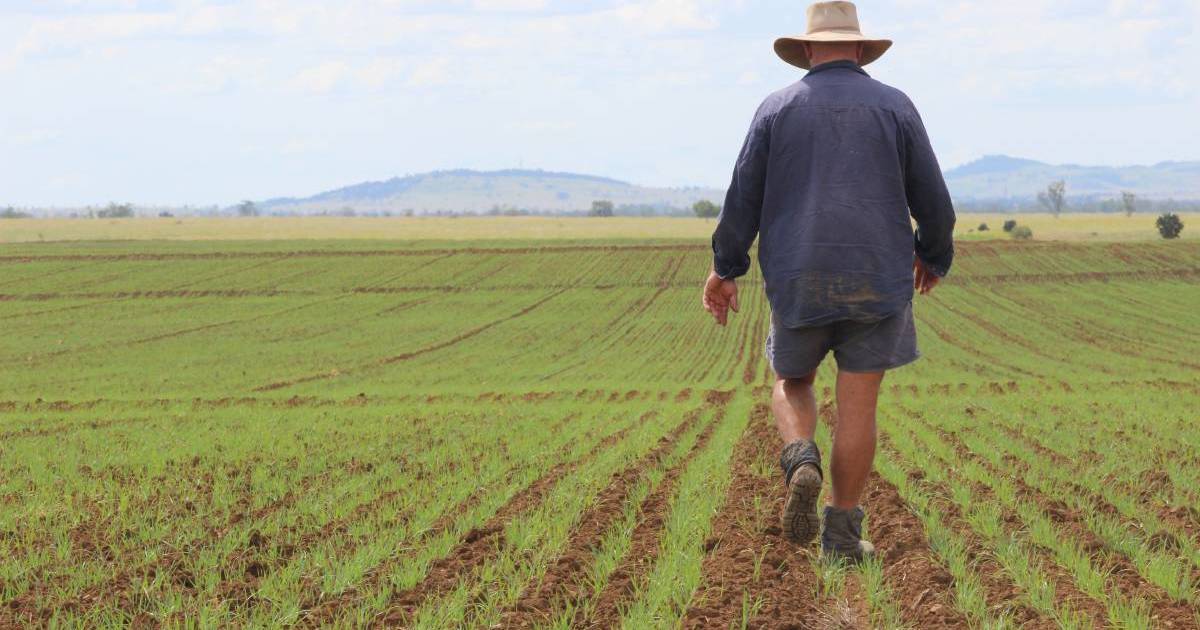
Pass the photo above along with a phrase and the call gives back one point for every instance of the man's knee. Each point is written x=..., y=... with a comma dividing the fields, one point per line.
x=788, y=384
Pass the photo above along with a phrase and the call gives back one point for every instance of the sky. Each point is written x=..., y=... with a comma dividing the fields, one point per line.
x=209, y=102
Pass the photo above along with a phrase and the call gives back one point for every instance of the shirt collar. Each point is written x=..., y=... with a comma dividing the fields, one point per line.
x=841, y=63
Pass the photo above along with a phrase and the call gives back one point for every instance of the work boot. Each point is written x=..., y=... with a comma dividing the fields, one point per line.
x=801, y=463
x=841, y=539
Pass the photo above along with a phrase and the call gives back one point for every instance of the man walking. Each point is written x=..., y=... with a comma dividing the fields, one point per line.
x=829, y=175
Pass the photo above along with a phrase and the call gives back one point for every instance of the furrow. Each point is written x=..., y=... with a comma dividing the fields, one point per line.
x=563, y=586
x=750, y=567
x=1066, y=598
x=1123, y=577
x=475, y=548
x=639, y=560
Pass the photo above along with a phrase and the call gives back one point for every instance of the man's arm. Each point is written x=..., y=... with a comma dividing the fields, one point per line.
x=929, y=202
x=737, y=225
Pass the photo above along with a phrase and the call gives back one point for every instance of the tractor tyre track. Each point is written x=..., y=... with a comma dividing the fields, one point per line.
x=461, y=337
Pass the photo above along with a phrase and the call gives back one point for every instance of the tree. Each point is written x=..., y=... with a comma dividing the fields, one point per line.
x=1010, y=225
x=1128, y=202
x=12, y=213
x=116, y=211
x=247, y=209
x=1054, y=198
x=706, y=209
x=601, y=208
x=1022, y=233
x=1169, y=225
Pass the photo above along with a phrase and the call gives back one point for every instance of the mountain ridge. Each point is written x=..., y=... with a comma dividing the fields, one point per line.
x=995, y=178
x=1005, y=178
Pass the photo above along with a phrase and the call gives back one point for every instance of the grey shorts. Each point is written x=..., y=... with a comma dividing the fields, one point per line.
x=857, y=346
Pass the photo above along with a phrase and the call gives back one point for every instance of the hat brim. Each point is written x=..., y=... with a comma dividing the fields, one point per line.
x=791, y=49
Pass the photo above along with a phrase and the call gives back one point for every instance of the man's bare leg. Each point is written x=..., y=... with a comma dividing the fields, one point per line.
x=854, y=440
x=795, y=408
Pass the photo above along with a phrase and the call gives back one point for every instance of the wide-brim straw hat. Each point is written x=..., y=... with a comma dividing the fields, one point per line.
x=830, y=22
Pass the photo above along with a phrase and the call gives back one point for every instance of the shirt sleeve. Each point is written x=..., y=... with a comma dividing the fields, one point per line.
x=928, y=198
x=737, y=225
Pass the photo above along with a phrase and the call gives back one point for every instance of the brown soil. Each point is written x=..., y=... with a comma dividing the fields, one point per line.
x=1087, y=276
x=746, y=533
x=1060, y=580
x=643, y=549
x=477, y=547
x=1000, y=592
x=321, y=611
x=243, y=570
x=71, y=427
x=211, y=403
x=403, y=306
x=1123, y=574
x=1185, y=520
x=564, y=583
x=922, y=586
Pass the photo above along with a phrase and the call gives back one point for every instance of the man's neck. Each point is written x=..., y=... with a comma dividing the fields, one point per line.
x=823, y=60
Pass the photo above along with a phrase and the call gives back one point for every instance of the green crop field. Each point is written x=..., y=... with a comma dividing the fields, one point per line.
x=438, y=434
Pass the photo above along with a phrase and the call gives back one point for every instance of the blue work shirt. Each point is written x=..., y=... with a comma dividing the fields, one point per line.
x=829, y=174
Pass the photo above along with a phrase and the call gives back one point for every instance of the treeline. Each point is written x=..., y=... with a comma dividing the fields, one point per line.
x=1054, y=201
x=1108, y=206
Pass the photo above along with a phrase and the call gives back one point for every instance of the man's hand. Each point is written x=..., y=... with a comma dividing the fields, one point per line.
x=924, y=280
x=720, y=296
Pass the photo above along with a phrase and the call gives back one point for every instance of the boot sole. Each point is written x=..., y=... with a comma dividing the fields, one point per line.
x=799, y=519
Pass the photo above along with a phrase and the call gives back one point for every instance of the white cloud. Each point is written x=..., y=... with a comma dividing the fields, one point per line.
x=32, y=137
x=662, y=15
x=321, y=78
x=988, y=73
x=430, y=73
x=509, y=5
x=378, y=73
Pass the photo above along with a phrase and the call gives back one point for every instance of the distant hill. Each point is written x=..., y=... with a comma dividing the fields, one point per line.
x=476, y=191
x=1000, y=177
x=992, y=178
